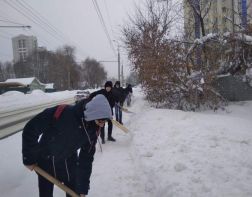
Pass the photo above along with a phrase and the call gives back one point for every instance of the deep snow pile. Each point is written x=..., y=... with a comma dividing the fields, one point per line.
x=13, y=99
x=167, y=153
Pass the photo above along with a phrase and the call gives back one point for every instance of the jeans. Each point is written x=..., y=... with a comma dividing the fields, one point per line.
x=128, y=99
x=110, y=127
x=118, y=112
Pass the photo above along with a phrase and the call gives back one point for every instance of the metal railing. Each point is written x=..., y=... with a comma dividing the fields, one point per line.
x=14, y=121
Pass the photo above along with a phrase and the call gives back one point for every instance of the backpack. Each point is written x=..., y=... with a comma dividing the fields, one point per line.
x=58, y=112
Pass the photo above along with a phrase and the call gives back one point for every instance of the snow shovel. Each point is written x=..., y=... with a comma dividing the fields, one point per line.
x=120, y=126
x=125, y=109
x=55, y=181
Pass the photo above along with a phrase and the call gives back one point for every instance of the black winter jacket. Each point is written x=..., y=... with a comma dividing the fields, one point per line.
x=61, y=139
x=120, y=93
x=110, y=97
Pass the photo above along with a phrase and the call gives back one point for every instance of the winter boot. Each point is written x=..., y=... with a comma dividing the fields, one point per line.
x=110, y=138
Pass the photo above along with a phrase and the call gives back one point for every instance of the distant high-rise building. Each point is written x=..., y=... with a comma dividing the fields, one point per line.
x=23, y=46
x=219, y=16
x=250, y=12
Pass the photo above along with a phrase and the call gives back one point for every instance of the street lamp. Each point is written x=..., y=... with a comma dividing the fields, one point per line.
x=118, y=59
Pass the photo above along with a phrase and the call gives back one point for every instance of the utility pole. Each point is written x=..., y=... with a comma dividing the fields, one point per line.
x=122, y=76
x=118, y=63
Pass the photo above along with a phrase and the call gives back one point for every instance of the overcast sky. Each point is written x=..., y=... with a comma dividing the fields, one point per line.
x=76, y=23
x=77, y=20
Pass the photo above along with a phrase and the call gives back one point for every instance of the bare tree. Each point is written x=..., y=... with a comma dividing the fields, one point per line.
x=6, y=71
x=200, y=11
x=93, y=73
x=57, y=67
x=2, y=77
x=132, y=79
x=156, y=58
x=162, y=64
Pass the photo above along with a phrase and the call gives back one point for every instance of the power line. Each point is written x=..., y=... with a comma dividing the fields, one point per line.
x=108, y=15
x=12, y=20
x=30, y=17
x=37, y=16
x=28, y=12
x=34, y=21
x=97, y=9
x=46, y=22
x=44, y=41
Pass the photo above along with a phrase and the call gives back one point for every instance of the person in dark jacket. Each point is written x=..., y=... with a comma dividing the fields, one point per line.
x=129, y=92
x=119, y=91
x=107, y=92
x=52, y=144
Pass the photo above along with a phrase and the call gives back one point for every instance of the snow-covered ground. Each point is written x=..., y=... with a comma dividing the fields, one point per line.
x=167, y=153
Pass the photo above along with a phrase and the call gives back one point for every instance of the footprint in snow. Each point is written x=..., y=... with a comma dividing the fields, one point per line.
x=179, y=167
x=148, y=154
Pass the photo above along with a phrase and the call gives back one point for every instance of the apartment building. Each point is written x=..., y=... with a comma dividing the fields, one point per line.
x=23, y=46
x=219, y=16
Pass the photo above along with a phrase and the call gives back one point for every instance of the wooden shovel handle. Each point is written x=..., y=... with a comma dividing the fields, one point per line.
x=120, y=126
x=55, y=181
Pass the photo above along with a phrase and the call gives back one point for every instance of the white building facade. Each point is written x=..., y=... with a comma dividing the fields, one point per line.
x=220, y=16
x=23, y=46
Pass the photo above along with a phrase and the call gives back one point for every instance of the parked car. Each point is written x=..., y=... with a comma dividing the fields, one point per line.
x=81, y=94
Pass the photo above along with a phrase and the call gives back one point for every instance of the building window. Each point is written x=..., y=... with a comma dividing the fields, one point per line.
x=22, y=56
x=224, y=9
x=21, y=43
x=24, y=44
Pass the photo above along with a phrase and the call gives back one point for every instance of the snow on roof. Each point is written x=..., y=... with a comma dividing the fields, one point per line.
x=49, y=85
x=25, y=81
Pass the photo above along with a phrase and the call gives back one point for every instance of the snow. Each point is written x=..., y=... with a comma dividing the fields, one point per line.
x=11, y=94
x=204, y=39
x=38, y=92
x=249, y=72
x=220, y=38
x=166, y=153
x=223, y=75
x=49, y=85
x=25, y=81
x=244, y=37
x=15, y=100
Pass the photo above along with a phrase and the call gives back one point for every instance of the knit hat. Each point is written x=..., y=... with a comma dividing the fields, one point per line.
x=117, y=83
x=108, y=84
x=98, y=108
